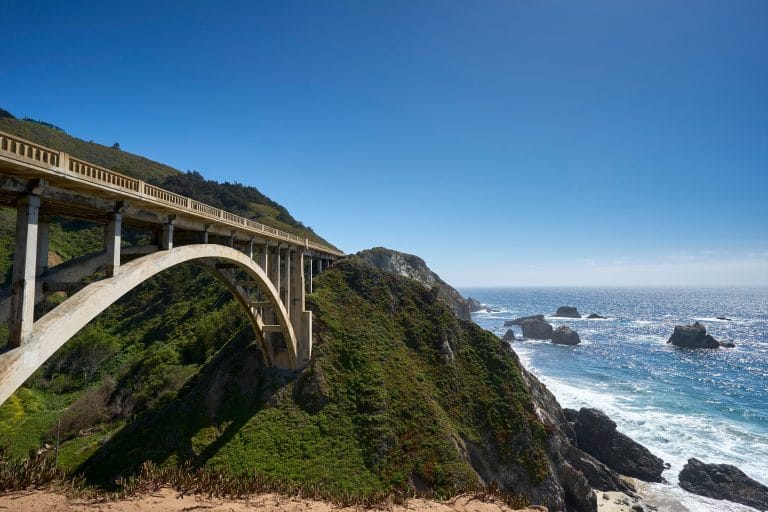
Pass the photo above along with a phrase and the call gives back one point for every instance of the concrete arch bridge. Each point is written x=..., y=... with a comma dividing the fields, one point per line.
x=267, y=270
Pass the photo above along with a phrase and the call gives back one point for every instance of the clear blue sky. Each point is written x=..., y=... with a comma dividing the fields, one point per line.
x=506, y=142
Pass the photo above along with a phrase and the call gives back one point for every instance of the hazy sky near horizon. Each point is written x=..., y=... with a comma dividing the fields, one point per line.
x=505, y=142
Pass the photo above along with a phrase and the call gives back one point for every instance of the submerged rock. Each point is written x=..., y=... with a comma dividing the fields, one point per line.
x=564, y=335
x=724, y=318
x=509, y=335
x=567, y=312
x=536, y=329
x=692, y=336
x=596, y=316
x=519, y=321
x=596, y=434
x=723, y=482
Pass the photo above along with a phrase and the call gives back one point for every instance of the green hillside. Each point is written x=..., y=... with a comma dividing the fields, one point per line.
x=401, y=395
x=396, y=383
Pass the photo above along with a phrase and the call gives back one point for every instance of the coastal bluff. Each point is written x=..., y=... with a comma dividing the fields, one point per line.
x=413, y=267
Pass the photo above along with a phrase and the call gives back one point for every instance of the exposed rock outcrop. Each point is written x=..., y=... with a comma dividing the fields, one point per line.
x=724, y=318
x=519, y=321
x=596, y=434
x=509, y=335
x=564, y=335
x=595, y=316
x=563, y=452
x=567, y=312
x=723, y=482
x=475, y=305
x=413, y=267
x=692, y=336
x=536, y=329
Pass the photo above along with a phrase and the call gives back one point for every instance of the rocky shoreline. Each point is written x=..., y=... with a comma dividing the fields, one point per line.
x=592, y=466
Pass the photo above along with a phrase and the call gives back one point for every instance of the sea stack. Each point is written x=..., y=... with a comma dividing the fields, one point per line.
x=567, y=312
x=692, y=336
x=509, y=335
x=519, y=321
x=536, y=329
x=564, y=335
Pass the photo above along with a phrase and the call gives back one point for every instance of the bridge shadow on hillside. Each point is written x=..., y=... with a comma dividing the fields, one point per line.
x=206, y=414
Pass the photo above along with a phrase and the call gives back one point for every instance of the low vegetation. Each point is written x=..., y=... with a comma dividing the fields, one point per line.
x=168, y=386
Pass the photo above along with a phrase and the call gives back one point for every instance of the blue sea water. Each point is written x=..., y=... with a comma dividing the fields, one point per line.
x=680, y=403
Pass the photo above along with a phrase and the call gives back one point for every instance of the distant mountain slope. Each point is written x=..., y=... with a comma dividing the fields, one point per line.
x=237, y=198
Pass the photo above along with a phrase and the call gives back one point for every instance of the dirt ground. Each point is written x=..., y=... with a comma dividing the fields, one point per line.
x=167, y=500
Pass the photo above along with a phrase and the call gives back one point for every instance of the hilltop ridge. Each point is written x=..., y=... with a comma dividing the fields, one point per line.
x=414, y=267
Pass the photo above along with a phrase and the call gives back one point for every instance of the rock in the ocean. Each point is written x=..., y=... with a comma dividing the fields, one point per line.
x=723, y=482
x=727, y=344
x=509, y=335
x=536, y=329
x=519, y=321
x=564, y=335
x=596, y=434
x=568, y=312
x=692, y=336
x=724, y=318
x=596, y=316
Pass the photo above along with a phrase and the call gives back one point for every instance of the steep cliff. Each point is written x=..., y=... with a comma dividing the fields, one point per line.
x=413, y=267
x=400, y=395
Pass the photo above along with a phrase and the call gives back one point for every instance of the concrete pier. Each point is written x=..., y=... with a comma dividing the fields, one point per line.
x=24, y=270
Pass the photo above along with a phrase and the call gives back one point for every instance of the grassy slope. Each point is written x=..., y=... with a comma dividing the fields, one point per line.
x=150, y=342
x=170, y=374
x=382, y=407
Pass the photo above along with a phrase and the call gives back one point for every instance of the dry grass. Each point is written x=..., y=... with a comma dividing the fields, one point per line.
x=40, y=472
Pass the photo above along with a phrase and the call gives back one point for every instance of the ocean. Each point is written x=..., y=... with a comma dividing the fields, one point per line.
x=679, y=403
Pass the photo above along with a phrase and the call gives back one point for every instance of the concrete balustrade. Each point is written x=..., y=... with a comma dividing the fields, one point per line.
x=56, y=165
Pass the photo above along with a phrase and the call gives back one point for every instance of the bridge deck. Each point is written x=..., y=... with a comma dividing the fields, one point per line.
x=25, y=159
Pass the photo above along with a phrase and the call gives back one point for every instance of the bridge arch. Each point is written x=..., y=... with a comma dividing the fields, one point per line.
x=55, y=328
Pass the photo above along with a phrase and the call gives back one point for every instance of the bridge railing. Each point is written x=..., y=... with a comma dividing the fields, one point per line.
x=103, y=175
x=29, y=151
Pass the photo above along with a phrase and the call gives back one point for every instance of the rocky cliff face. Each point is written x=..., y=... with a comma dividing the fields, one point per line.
x=413, y=267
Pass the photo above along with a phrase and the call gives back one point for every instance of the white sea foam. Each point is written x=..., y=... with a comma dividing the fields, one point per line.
x=673, y=437
x=671, y=498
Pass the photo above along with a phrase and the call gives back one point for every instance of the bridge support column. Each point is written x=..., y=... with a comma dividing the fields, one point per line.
x=264, y=258
x=250, y=248
x=166, y=243
x=24, y=268
x=204, y=234
x=112, y=241
x=231, y=240
x=286, y=295
x=300, y=319
x=42, y=245
x=274, y=267
x=310, y=274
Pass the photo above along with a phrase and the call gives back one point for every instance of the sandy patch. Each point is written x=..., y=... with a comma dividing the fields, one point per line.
x=167, y=500
x=619, y=502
